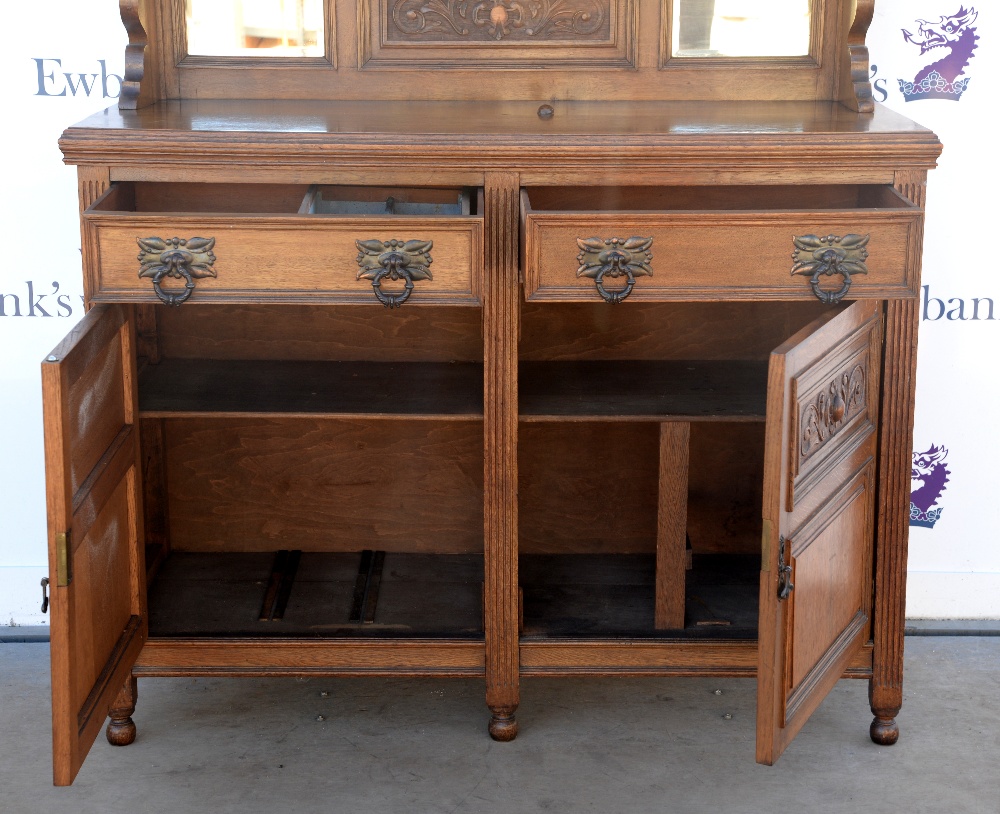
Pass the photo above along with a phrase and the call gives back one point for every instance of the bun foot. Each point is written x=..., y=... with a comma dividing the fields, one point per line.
x=121, y=727
x=884, y=731
x=503, y=728
x=121, y=731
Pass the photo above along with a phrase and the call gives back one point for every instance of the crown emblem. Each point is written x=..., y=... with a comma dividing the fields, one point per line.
x=933, y=86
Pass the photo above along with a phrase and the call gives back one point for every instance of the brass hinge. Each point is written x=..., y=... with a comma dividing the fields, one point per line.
x=64, y=559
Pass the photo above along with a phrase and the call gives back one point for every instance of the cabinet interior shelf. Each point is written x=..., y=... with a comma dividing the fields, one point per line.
x=643, y=390
x=213, y=387
x=549, y=391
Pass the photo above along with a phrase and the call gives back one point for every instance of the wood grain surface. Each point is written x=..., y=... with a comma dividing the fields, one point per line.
x=816, y=563
x=257, y=484
x=95, y=534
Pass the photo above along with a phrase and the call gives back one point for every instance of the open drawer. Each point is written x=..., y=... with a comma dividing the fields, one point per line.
x=710, y=243
x=284, y=243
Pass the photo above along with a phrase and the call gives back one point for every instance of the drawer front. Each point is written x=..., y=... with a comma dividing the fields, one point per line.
x=721, y=255
x=139, y=257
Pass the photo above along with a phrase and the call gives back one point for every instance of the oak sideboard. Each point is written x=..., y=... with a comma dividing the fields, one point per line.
x=488, y=339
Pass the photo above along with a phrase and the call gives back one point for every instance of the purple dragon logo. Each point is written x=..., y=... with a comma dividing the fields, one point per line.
x=940, y=80
x=927, y=479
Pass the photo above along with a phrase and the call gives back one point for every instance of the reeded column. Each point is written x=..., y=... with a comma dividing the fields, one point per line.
x=501, y=313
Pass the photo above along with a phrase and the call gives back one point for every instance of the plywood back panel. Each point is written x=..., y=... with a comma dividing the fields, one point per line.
x=591, y=488
x=345, y=334
x=325, y=485
x=750, y=331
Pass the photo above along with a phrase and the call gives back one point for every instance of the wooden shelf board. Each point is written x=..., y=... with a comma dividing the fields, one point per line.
x=643, y=391
x=368, y=390
x=637, y=391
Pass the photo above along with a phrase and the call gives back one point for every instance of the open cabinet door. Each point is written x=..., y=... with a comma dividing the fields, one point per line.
x=819, y=482
x=96, y=563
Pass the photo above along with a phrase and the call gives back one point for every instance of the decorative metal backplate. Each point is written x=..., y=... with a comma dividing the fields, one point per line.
x=495, y=20
x=612, y=257
x=825, y=256
x=186, y=260
x=833, y=407
x=397, y=260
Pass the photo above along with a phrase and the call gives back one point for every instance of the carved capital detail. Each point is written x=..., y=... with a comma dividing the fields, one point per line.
x=834, y=406
x=183, y=259
x=495, y=20
x=817, y=257
x=603, y=258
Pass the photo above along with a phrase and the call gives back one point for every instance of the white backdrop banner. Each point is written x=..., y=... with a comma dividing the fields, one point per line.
x=63, y=61
x=932, y=60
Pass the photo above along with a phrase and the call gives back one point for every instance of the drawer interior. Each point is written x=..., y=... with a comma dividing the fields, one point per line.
x=714, y=198
x=425, y=201
x=288, y=199
x=238, y=199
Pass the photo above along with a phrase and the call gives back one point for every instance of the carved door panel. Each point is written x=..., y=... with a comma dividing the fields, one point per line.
x=96, y=563
x=819, y=482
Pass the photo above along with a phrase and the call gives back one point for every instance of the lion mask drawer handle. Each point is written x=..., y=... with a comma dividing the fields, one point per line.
x=186, y=260
x=397, y=260
x=602, y=258
x=825, y=256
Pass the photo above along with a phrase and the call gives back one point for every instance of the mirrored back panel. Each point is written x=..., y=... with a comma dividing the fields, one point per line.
x=481, y=50
x=256, y=28
x=741, y=28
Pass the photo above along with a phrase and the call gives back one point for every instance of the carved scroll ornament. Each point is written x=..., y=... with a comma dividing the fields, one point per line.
x=833, y=407
x=186, y=260
x=825, y=256
x=498, y=19
x=613, y=257
x=395, y=260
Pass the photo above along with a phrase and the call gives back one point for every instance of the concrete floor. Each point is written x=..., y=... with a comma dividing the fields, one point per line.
x=586, y=745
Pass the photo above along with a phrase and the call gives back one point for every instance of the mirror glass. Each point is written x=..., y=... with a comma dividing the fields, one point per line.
x=257, y=28
x=741, y=28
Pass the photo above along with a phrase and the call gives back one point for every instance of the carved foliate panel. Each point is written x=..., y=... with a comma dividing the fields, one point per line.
x=834, y=407
x=497, y=20
x=481, y=34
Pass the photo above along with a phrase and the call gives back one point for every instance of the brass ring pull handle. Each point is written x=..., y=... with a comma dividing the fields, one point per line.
x=614, y=297
x=613, y=257
x=393, y=272
x=176, y=257
x=397, y=260
x=173, y=298
x=826, y=256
